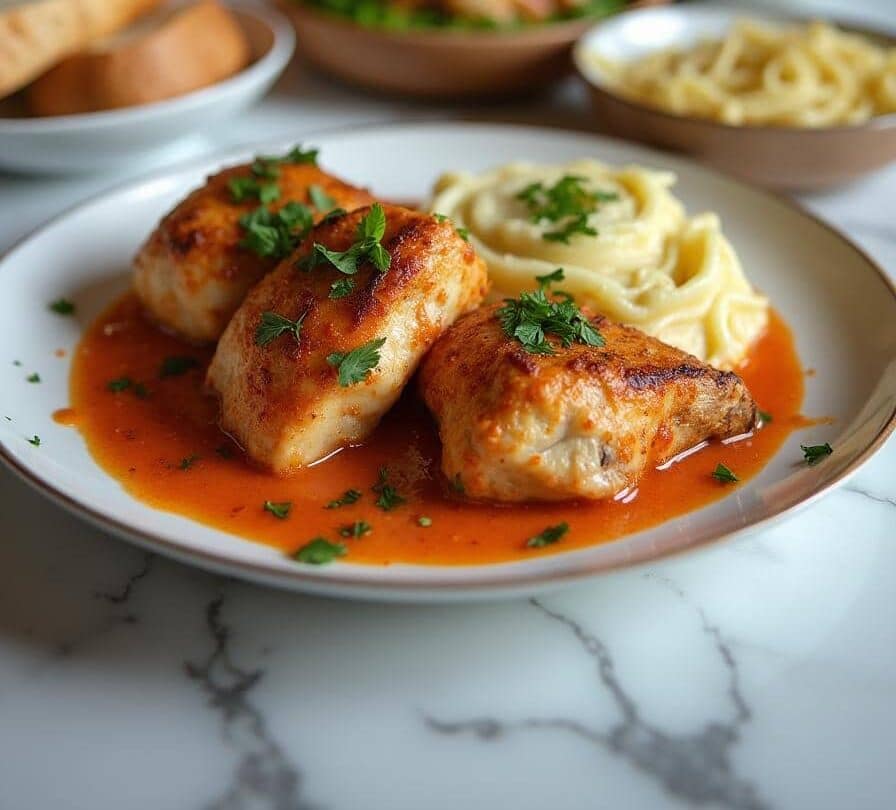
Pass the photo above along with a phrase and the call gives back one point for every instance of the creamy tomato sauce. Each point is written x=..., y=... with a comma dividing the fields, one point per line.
x=157, y=434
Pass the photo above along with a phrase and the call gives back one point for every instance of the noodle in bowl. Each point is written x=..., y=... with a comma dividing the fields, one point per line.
x=807, y=76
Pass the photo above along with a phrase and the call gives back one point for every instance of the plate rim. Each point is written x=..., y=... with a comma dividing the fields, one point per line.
x=369, y=585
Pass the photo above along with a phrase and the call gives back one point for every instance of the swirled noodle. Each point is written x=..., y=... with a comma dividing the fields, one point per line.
x=648, y=265
x=803, y=76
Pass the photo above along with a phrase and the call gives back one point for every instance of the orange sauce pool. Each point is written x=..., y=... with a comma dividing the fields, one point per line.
x=161, y=441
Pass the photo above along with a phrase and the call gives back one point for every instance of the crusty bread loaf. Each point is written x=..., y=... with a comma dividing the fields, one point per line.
x=170, y=53
x=35, y=36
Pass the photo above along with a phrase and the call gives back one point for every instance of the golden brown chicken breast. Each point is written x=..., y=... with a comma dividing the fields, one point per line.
x=199, y=263
x=322, y=347
x=582, y=421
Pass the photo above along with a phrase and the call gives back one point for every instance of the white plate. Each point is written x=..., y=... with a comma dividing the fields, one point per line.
x=77, y=143
x=839, y=304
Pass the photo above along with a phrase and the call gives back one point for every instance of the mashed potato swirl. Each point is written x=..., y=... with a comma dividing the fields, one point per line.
x=648, y=264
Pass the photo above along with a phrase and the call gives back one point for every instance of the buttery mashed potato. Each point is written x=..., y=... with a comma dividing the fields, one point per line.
x=647, y=265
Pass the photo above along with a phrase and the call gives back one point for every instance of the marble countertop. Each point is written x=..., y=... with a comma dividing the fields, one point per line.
x=756, y=674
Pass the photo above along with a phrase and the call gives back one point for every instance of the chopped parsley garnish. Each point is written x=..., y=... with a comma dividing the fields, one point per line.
x=373, y=224
x=319, y=551
x=424, y=521
x=458, y=485
x=272, y=325
x=342, y=287
x=345, y=261
x=367, y=246
x=275, y=235
x=548, y=537
x=549, y=278
x=62, y=306
x=189, y=461
x=463, y=233
x=334, y=214
x=279, y=509
x=267, y=193
x=578, y=224
x=124, y=383
x=176, y=365
x=816, y=452
x=388, y=495
x=349, y=497
x=320, y=199
x=356, y=365
x=225, y=451
x=357, y=529
x=298, y=154
x=567, y=203
x=33, y=378
x=247, y=188
x=533, y=316
x=722, y=473
x=764, y=416
x=35, y=440
x=268, y=166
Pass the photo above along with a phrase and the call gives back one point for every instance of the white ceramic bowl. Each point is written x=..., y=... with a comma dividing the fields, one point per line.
x=787, y=158
x=105, y=140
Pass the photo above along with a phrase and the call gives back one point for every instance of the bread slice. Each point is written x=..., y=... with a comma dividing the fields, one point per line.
x=170, y=53
x=35, y=36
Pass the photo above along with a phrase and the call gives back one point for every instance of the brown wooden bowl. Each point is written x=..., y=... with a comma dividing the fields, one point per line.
x=437, y=64
x=784, y=158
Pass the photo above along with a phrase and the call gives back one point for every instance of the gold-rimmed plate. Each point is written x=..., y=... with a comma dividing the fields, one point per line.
x=840, y=305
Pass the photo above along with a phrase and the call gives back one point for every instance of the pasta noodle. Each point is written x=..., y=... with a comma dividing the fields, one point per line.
x=647, y=264
x=805, y=76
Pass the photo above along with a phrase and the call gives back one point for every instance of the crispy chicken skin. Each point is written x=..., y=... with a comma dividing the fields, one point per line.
x=192, y=274
x=583, y=423
x=283, y=402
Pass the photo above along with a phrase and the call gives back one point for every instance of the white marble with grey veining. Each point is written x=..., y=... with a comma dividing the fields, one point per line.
x=758, y=674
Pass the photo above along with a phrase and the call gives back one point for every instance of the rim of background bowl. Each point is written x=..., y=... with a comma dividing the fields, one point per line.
x=273, y=62
x=472, y=37
x=368, y=585
x=587, y=72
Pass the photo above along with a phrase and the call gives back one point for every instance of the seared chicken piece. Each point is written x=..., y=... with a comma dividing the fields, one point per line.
x=582, y=423
x=192, y=273
x=284, y=401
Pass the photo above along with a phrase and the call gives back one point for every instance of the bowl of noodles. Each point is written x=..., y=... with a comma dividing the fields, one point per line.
x=790, y=103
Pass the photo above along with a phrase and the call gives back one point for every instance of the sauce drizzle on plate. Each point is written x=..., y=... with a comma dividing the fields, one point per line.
x=158, y=436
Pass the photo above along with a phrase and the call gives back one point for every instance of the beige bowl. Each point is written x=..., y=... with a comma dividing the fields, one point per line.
x=786, y=158
x=437, y=64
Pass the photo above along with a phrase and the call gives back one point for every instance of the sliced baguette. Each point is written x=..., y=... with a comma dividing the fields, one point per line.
x=35, y=36
x=170, y=53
